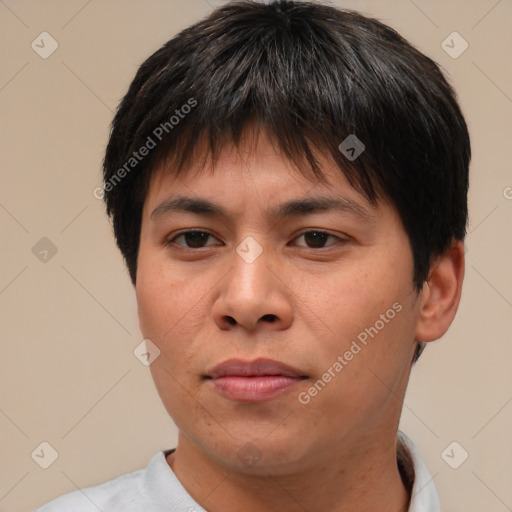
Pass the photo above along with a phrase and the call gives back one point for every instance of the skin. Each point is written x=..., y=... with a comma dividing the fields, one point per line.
x=203, y=304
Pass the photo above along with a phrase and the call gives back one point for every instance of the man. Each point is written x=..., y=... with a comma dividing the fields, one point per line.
x=288, y=187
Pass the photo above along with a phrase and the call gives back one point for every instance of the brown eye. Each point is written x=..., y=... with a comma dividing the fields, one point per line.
x=316, y=239
x=193, y=239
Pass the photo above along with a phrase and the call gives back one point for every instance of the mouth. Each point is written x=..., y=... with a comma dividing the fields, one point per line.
x=253, y=381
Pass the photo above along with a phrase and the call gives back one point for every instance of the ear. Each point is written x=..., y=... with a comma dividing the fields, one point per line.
x=440, y=295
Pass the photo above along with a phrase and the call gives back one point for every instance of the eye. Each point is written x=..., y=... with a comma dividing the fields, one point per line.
x=193, y=239
x=316, y=239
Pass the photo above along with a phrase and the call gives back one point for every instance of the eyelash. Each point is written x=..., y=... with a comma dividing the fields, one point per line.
x=171, y=241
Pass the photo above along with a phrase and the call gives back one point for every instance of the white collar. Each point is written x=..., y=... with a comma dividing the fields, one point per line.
x=424, y=497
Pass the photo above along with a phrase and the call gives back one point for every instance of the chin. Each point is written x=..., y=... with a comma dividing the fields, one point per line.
x=258, y=456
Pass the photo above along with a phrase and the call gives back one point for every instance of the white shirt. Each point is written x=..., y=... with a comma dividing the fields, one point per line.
x=157, y=489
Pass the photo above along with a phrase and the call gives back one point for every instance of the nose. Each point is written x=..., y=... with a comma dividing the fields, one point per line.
x=253, y=295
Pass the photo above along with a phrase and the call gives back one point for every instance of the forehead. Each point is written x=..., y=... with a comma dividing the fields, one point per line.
x=254, y=166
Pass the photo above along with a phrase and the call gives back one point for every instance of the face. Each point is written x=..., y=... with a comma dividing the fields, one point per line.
x=304, y=290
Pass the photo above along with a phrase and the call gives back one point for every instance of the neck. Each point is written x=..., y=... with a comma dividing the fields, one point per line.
x=363, y=478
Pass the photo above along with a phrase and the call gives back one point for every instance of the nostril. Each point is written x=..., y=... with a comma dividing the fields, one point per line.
x=270, y=318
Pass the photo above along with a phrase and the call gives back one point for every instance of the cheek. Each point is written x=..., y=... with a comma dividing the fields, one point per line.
x=353, y=298
x=369, y=309
x=173, y=308
x=167, y=306
x=154, y=290
x=164, y=294
x=153, y=300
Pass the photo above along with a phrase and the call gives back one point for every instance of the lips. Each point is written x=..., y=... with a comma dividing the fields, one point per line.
x=256, y=368
x=253, y=381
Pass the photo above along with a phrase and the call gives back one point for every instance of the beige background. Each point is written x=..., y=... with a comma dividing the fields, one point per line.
x=68, y=375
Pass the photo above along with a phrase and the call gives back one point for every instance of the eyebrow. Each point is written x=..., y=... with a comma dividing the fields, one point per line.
x=290, y=208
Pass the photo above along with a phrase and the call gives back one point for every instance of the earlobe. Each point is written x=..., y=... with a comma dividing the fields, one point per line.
x=441, y=293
